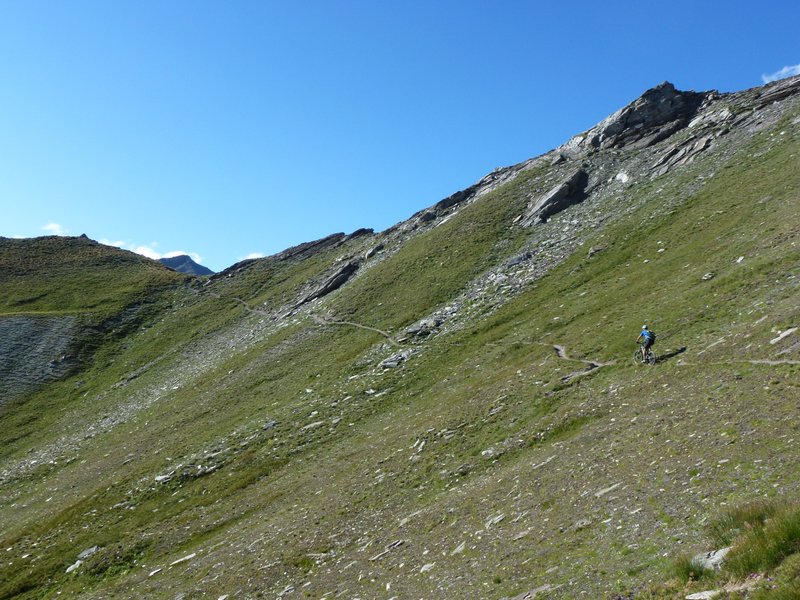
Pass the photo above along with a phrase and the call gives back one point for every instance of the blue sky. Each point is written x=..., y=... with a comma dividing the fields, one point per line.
x=231, y=129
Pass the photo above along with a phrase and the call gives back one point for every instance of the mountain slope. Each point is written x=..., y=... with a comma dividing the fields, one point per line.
x=447, y=408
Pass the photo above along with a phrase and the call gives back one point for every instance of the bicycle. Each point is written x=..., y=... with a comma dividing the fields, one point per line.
x=639, y=358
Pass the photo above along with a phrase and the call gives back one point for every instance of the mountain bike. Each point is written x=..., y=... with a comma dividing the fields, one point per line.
x=639, y=358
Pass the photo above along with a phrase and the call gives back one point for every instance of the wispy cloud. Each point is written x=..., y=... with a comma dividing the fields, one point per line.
x=788, y=71
x=55, y=229
x=253, y=255
x=150, y=250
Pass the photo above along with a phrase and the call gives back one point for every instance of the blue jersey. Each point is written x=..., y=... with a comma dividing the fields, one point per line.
x=647, y=334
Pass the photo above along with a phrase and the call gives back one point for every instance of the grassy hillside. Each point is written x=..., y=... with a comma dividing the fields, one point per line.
x=57, y=275
x=225, y=450
x=64, y=299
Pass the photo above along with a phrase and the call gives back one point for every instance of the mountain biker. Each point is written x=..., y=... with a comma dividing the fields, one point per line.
x=647, y=339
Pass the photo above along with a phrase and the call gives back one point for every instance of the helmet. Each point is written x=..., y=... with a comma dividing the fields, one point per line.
x=644, y=326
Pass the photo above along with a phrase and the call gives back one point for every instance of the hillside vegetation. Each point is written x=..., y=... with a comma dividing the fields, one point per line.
x=446, y=409
x=64, y=299
x=57, y=275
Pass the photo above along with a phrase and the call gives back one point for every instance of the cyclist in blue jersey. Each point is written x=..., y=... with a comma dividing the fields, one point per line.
x=647, y=339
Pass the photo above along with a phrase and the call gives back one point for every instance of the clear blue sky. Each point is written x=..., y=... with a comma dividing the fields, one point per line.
x=225, y=129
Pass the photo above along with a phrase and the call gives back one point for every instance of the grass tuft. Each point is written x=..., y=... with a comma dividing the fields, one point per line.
x=763, y=548
x=737, y=520
x=686, y=570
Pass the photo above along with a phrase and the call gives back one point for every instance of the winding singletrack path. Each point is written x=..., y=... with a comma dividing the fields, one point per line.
x=322, y=321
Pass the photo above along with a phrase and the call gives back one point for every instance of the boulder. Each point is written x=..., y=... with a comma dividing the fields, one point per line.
x=88, y=552
x=395, y=359
x=425, y=326
x=707, y=595
x=542, y=589
x=570, y=191
x=74, y=566
x=711, y=560
x=520, y=258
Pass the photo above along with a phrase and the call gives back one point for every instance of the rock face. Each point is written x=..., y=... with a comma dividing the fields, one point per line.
x=779, y=90
x=184, y=264
x=333, y=282
x=657, y=114
x=570, y=191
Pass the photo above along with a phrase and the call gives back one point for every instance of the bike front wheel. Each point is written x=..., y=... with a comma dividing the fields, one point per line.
x=638, y=357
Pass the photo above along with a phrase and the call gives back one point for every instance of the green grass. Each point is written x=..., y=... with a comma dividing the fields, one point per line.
x=686, y=570
x=785, y=584
x=735, y=521
x=761, y=548
x=765, y=540
x=60, y=275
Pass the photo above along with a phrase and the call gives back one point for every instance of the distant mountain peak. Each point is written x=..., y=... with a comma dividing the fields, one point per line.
x=184, y=264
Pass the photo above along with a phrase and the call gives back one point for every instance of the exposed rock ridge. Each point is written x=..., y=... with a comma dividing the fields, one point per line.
x=779, y=90
x=309, y=248
x=654, y=116
x=333, y=282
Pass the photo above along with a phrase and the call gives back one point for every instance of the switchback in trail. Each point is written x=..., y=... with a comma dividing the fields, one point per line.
x=591, y=365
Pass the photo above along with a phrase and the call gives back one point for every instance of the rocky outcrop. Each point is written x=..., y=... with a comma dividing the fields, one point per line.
x=570, y=191
x=396, y=359
x=681, y=154
x=779, y=90
x=309, y=248
x=656, y=115
x=360, y=233
x=425, y=326
x=488, y=183
x=333, y=282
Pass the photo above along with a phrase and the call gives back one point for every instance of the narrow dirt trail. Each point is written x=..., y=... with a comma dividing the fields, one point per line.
x=591, y=365
x=322, y=321
x=239, y=301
